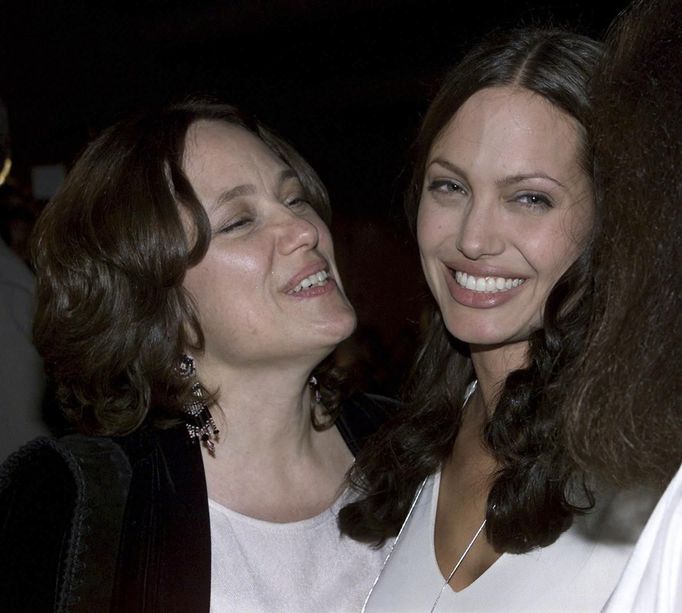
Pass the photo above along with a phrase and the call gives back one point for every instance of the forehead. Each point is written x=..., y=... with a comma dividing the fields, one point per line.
x=512, y=128
x=218, y=153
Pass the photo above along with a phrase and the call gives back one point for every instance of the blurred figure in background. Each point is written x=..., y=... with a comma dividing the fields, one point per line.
x=21, y=370
x=623, y=400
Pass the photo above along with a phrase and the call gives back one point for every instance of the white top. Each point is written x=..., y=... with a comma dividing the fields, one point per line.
x=573, y=574
x=652, y=580
x=259, y=566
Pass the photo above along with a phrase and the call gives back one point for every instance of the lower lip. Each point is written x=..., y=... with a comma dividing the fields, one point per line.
x=479, y=300
x=316, y=290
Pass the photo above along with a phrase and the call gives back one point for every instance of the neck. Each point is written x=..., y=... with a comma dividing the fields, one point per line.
x=470, y=471
x=492, y=365
x=269, y=462
x=260, y=410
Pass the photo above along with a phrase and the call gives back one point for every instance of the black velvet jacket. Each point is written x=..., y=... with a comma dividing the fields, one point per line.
x=98, y=524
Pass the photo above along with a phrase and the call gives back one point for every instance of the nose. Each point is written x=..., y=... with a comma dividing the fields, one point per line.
x=296, y=232
x=480, y=232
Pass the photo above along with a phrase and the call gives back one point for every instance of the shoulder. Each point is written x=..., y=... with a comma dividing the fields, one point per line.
x=73, y=474
x=54, y=509
x=362, y=415
x=38, y=464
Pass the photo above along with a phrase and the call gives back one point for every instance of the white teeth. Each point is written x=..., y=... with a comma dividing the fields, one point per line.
x=490, y=285
x=317, y=278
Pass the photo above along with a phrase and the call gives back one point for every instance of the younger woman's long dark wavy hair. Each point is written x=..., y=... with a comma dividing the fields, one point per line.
x=111, y=251
x=529, y=504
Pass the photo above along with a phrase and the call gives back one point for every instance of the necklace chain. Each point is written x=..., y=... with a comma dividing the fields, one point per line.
x=458, y=564
x=469, y=392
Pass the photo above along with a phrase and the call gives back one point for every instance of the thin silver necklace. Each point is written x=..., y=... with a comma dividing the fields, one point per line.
x=468, y=394
x=457, y=565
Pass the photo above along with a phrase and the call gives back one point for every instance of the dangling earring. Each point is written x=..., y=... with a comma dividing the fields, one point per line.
x=198, y=420
x=314, y=386
x=316, y=399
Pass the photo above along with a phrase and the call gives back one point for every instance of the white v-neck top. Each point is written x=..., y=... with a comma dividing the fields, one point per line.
x=574, y=574
x=298, y=567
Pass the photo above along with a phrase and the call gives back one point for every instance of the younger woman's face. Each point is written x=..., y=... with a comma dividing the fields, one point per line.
x=505, y=210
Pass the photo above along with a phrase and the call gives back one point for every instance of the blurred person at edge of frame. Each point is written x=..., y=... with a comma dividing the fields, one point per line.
x=187, y=295
x=490, y=510
x=22, y=382
x=624, y=397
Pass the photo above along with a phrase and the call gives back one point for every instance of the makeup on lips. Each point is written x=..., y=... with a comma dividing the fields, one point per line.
x=482, y=290
x=314, y=280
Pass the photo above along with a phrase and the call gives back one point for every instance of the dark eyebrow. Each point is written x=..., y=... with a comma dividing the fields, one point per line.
x=286, y=174
x=449, y=165
x=235, y=192
x=502, y=182
x=247, y=189
x=530, y=175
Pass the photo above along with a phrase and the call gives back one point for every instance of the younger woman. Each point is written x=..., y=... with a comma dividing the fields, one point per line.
x=474, y=474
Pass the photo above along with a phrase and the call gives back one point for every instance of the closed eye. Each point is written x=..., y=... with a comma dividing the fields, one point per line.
x=298, y=202
x=235, y=224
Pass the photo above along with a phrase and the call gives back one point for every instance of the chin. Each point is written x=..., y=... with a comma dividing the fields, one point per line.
x=331, y=330
x=485, y=335
x=344, y=327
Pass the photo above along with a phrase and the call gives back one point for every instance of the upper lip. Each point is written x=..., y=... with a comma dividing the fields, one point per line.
x=306, y=271
x=479, y=270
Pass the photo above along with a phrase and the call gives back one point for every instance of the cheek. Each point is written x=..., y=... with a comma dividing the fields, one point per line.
x=556, y=251
x=428, y=229
x=429, y=238
x=326, y=247
x=220, y=278
x=195, y=282
x=571, y=235
x=437, y=230
x=324, y=238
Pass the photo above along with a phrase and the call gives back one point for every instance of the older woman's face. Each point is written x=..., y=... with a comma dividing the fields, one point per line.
x=268, y=287
x=505, y=210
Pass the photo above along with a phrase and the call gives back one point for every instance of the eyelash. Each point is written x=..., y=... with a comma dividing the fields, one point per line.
x=294, y=203
x=542, y=201
x=234, y=225
x=297, y=202
x=447, y=186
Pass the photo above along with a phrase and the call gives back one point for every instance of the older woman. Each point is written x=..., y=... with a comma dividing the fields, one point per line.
x=474, y=475
x=187, y=293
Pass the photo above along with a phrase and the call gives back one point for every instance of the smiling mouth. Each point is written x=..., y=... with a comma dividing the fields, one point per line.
x=490, y=285
x=314, y=280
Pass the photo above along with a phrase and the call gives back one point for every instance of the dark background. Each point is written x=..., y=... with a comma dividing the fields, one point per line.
x=345, y=80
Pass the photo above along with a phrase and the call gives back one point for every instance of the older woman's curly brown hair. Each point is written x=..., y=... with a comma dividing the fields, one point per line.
x=111, y=251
